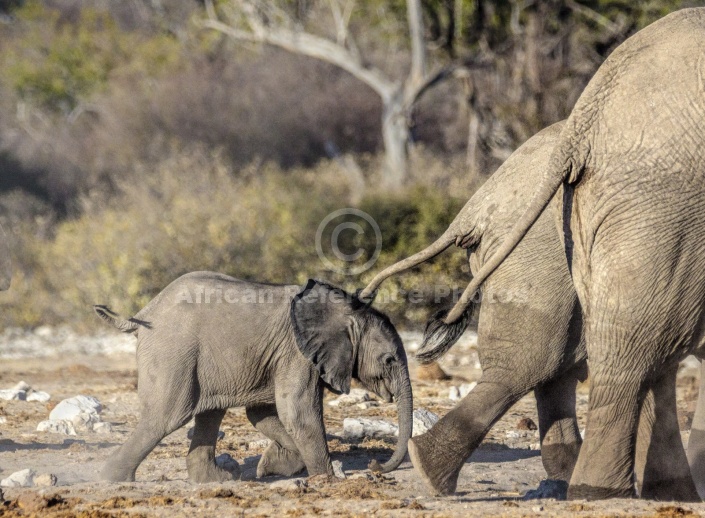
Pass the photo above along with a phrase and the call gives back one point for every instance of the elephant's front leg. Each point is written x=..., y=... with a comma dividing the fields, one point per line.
x=281, y=457
x=661, y=464
x=201, y=455
x=299, y=404
x=558, y=425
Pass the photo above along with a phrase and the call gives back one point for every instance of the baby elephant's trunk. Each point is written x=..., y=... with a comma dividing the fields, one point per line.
x=405, y=410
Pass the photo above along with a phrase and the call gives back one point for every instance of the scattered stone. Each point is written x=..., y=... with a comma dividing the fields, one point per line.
x=23, y=386
x=526, y=424
x=535, y=446
x=582, y=433
x=423, y=421
x=24, y=478
x=3, y=419
x=431, y=372
x=357, y=428
x=291, y=484
x=453, y=394
x=63, y=427
x=226, y=462
x=457, y=393
x=338, y=469
x=556, y=489
x=38, y=395
x=102, y=427
x=537, y=508
x=12, y=394
x=367, y=405
x=355, y=396
x=189, y=434
x=79, y=413
x=45, y=480
x=256, y=445
x=511, y=434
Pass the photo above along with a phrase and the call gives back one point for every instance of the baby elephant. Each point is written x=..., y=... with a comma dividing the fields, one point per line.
x=209, y=342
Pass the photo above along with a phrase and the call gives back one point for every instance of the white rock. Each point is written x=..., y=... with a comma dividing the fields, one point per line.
x=22, y=385
x=423, y=421
x=3, y=419
x=38, y=395
x=64, y=427
x=189, y=434
x=466, y=388
x=45, y=479
x=366, y=405
x=453, y=393
x=291, y=484
x=12, y=394
x=338, y=469
x=357, y=428
x=363, y=475
x=255, y=445
x=102, y=427
x=582, y=433
x=511, y=434
x=73, y=407
x=24, y=478
x=226, y=462
x=535, y=446
x=356, y=396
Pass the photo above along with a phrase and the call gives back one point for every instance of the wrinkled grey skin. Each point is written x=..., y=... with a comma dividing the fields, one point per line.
x=529, y=332
x=209, y=342
x=629, y=170
x=5, y=262
x=696, y=441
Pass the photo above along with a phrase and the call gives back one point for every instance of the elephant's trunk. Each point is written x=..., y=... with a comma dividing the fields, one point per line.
x=405, y=412
x=438, y=246
x=5, y=262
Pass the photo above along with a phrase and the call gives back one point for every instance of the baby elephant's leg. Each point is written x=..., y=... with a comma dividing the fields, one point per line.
x=201, y=454
x=281, y=457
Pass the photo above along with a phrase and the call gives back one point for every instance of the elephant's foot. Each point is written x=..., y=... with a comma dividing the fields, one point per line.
x=113, y=472
x=559, y=459
x=279, y=461
x=679, y=489
x=585, y=492
x=439, y=475
x=202, y=468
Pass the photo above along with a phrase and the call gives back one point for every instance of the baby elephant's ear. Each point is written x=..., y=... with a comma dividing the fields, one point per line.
x=321, y=317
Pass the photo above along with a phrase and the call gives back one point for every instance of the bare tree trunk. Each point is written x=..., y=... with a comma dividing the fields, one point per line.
x=395, y=134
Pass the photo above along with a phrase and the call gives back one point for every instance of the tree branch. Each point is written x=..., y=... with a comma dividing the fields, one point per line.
x=301, y=42
x=593, y=15
x=417, y=73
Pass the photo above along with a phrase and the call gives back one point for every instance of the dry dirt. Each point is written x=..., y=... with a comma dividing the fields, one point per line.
x=492, y=483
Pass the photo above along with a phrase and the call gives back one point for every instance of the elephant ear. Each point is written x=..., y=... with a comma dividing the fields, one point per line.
x=5, y=262
x=321, y=315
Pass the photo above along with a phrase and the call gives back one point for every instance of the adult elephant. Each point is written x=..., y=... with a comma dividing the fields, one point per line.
x=630, y=168
x=529, y=332
x=530, y=327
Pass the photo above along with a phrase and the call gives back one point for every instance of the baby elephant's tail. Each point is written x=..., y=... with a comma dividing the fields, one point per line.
x=126, y=326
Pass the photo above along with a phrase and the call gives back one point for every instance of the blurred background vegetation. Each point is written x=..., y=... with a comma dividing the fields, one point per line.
x=137, y=143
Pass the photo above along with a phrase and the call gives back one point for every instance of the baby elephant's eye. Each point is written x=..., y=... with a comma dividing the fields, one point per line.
x=388, y=359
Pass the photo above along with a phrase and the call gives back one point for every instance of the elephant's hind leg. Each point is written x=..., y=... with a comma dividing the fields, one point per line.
x=201, y=455
x=122, y=465
x=558, y=425
x=281, y=457
x=661, y=464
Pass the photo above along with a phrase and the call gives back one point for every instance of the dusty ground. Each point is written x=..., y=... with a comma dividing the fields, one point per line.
x=492, y=482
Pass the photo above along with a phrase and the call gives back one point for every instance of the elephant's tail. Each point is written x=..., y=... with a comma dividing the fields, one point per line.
x=126, y=326
x=443, y=330
x=438, y=246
